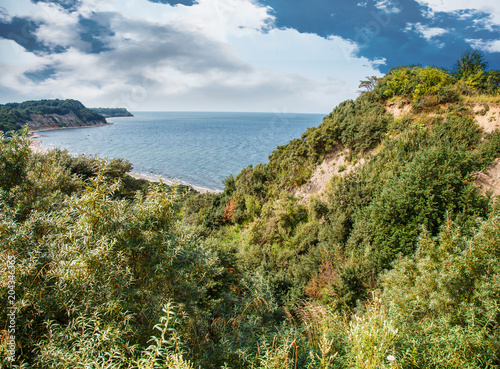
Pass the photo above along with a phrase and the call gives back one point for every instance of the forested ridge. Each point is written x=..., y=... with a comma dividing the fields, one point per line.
x=14, y=116
x=394, y=263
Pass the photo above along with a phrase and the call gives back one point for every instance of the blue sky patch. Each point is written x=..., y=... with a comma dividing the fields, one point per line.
x=22, y=31
x=94, y=34
x=383, y=29
x=41, y=75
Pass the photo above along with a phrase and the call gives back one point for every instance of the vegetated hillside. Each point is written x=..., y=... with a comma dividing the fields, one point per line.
x=366, y=243
x=47, y=114
x=113, y=112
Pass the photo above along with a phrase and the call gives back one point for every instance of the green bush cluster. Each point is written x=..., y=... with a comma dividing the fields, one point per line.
x=416, y=82
x=334, y=251
x=444, y=298
x=430, y=86
x=90, y=260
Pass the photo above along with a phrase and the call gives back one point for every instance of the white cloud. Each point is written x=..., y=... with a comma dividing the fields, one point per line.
x=13, y=53
x=58, y=27
x=490, y=46
x=210, y=56
x=429, y=33
x=213, y=18
x=290, y=51
x=387, y=6
x=14, y=61
x=454, y=6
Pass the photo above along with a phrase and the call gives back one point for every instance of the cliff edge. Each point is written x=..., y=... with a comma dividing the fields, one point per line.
x=54, y=121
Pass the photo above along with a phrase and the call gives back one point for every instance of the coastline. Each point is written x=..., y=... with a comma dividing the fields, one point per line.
x=58, y=128
x=152, y=178
x=36, y=146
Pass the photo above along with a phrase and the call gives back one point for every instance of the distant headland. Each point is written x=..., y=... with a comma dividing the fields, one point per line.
x=113, y=112
x=54, y=114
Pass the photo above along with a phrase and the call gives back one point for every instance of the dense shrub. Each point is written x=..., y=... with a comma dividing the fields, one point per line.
x=445, y=299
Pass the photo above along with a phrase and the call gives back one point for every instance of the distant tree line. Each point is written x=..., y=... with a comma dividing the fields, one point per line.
x=113, y=112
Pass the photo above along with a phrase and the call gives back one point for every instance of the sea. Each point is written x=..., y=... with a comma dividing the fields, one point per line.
x=194, y=148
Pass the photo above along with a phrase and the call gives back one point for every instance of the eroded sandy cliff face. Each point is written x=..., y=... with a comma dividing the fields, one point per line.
x=336, y=164
x=51, y=121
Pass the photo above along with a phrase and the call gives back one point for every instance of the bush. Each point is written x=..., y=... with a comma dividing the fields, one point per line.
x=89, y=261
x=446, y=295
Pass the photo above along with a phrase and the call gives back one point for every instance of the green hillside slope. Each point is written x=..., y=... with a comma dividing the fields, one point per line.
x=411, y=149
x=373, y=241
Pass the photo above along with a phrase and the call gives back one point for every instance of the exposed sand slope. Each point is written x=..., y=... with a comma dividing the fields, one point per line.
x=491, y=120
x=334, y=164
x=55, y=121
x=396, y=110
x=489, y=180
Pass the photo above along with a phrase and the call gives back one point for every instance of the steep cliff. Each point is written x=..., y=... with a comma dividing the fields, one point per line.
x=51, y=121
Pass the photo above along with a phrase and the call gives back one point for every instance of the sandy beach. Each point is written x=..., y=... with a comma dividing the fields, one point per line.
x=152, y=178
x=36, y=145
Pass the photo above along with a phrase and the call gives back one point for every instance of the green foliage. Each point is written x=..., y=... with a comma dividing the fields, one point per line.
x=13, y=160
x=371, y=337
x=430, y=82
x=88, y=341
x=470, y=66
x=447, y=296
x=423, y=169
x=491, y=82
x=431, y=185
x=417, y=83
x=430, y=86
x=89, y=261
x=358, y=125
x=369, y=83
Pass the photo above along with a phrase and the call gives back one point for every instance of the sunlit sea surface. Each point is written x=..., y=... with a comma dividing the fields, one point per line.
x=196, y=148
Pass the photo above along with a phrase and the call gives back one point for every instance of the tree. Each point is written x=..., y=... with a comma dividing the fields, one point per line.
x=369, y=84
x=470, y=63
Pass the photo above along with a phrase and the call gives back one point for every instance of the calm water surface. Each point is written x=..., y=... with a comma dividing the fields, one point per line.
x=196, y=148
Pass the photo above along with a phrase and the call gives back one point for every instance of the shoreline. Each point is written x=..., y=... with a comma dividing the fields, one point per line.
x=156, y=179
x=73, y=127
x=36, y=146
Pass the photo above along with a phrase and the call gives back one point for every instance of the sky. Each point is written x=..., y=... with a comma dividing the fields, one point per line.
x=300, y=56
